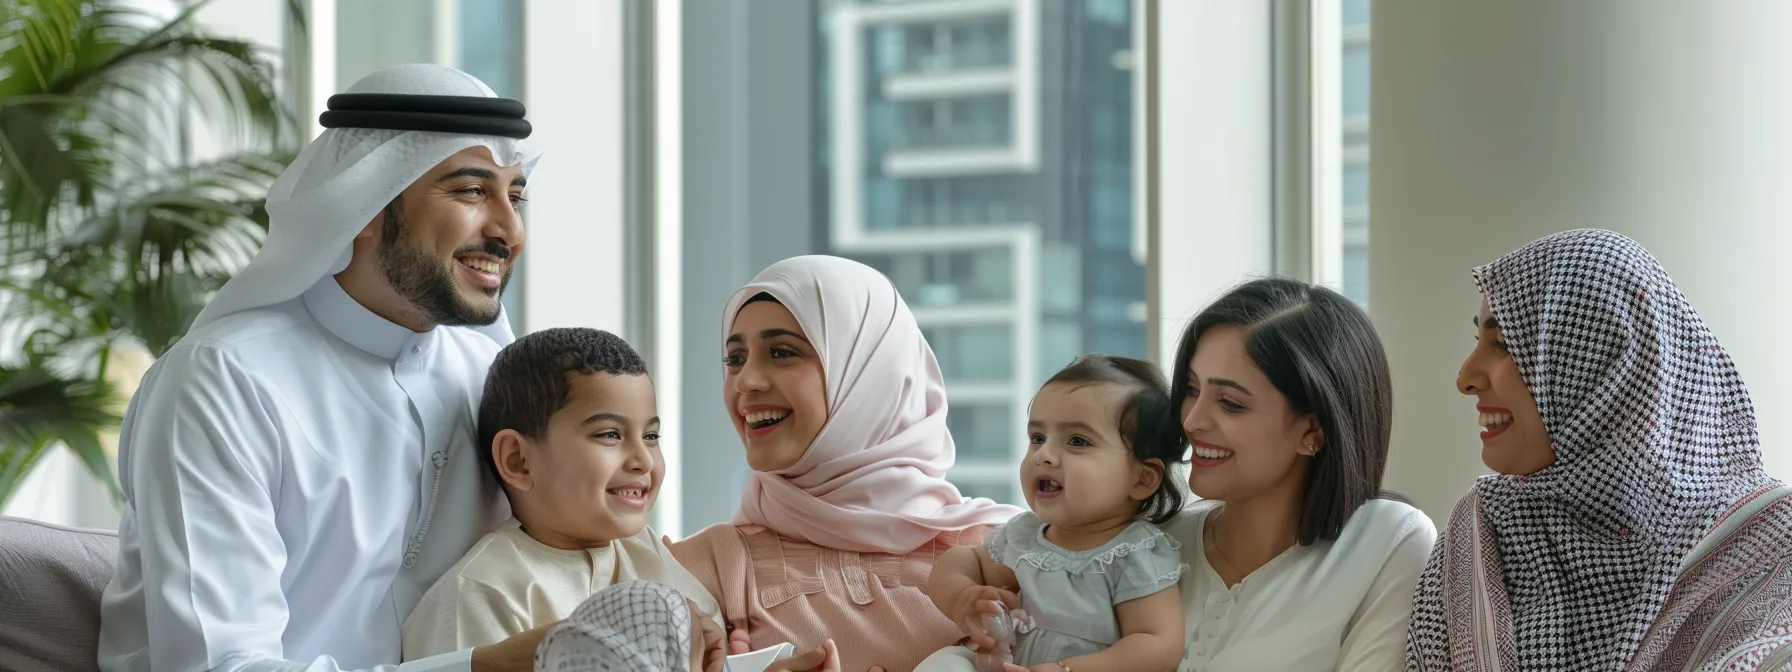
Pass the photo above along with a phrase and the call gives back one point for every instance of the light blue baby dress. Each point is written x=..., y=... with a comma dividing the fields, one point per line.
x=1071, y=595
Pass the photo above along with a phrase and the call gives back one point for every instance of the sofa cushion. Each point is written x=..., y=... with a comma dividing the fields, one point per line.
x=51, y=578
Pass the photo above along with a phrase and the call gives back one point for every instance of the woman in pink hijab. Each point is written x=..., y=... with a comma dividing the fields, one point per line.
x=841, y=407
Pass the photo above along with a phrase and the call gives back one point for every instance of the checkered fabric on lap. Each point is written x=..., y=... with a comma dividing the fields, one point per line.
x=628, y=627
x=1654, y=436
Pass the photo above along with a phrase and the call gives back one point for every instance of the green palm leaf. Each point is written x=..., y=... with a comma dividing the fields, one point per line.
x=108, y=233
x=39, y=408
x=100, y=79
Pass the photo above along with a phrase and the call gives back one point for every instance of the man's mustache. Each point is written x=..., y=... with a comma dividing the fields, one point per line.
x=491, y=247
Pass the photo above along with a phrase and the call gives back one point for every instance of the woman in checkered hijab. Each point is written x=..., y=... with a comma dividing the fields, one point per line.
x=1631, y=525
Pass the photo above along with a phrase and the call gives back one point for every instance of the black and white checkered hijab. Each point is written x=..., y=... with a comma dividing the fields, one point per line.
x=1654, y=438
x=628, y=627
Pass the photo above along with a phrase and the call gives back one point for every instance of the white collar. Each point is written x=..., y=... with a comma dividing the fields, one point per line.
x=352, y=322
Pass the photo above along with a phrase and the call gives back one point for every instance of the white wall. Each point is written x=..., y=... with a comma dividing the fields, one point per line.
x=1498, y=123
x=572, y=85
x=1213, y=145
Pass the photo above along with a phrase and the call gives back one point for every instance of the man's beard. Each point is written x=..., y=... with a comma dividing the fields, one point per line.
x=427, y=283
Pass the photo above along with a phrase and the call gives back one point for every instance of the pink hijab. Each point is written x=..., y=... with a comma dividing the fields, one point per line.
x=874, y=479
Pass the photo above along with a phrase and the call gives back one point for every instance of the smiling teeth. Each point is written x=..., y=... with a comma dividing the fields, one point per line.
x=636, y=493
x=763, y=418
x=1495, y=420
x=1212, y=453
x=491, y=267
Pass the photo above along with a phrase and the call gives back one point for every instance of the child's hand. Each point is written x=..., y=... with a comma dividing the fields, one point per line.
x=823, y=659
x=975, y=602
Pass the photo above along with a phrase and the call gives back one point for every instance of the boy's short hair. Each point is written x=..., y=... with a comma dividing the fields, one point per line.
x=530, y=379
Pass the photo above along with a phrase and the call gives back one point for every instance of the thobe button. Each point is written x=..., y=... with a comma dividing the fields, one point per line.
x=416, y=349
x=410, y=560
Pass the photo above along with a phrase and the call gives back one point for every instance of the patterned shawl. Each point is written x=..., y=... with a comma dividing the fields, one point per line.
x=1570, y=567
x=631, y=626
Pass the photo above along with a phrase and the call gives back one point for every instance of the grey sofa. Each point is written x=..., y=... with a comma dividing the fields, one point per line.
x=51, y=578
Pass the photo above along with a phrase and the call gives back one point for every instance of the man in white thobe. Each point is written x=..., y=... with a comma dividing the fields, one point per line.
x=301, y=467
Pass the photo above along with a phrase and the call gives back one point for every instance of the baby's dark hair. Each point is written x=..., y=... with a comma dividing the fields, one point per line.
x=1147, y=421
x=529, y=380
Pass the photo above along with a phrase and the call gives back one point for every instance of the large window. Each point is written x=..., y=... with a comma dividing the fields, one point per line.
x=980, y=153
x=988, y=155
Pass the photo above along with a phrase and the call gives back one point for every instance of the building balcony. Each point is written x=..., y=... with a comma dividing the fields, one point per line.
x=950, y=161
x=960, y=84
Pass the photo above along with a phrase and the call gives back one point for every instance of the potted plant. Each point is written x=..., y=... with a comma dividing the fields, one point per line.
x=112, y=233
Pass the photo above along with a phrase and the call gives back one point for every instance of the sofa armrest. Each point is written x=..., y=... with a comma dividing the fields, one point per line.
x=52, y=578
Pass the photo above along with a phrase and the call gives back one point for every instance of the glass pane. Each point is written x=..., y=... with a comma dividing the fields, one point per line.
x=973, y=353
x=936, y=279
x=1060, y=341
x=375, y=35
x=933, y=48
x=1356, y=184
x=941, y=161
x=1356, y=270
x=955, y=123
x=929, y=202
x=1355, y=89
x=490, y=44
x=984, y=432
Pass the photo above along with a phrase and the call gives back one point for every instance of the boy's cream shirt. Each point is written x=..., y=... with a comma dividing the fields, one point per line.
x=509, y=582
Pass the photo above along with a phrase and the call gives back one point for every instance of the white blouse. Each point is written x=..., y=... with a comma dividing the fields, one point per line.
x=1337, y=605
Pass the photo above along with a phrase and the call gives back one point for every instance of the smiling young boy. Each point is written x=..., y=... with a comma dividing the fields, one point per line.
x=570, y=426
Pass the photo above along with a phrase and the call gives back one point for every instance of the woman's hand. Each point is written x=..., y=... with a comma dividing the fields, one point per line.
x=824, y=658
x=975, y=602
x=739, y=643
